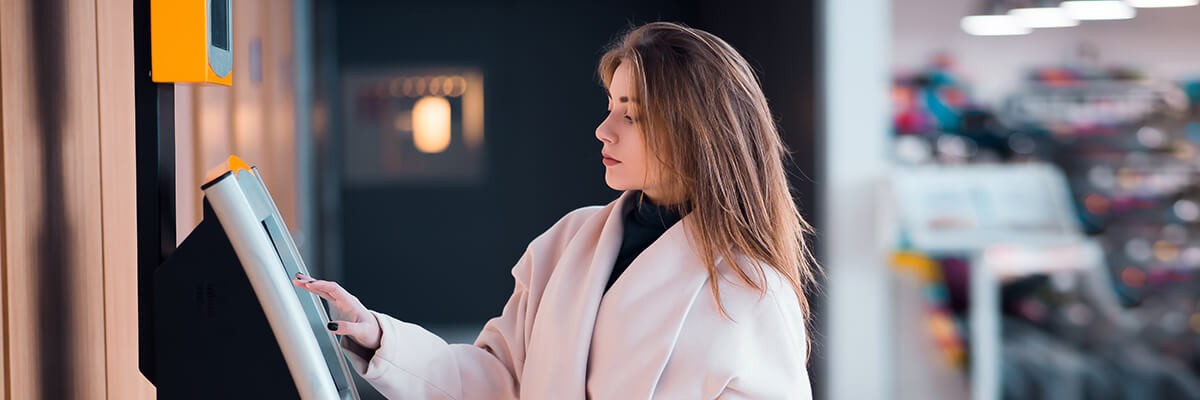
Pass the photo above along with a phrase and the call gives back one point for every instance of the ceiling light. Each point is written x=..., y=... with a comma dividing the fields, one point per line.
x=1097, y=10
x=1044, y=14
x=1162, y=3
x=994, y=25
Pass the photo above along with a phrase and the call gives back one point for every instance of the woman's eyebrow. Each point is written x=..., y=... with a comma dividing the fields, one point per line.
x=622, y=99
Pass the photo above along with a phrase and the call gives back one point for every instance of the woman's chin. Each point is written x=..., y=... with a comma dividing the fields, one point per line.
x=615, y=184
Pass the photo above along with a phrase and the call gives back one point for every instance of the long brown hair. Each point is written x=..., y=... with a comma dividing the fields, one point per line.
x=705, y=118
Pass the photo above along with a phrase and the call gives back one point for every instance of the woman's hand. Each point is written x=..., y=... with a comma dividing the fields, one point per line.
x=348, y=316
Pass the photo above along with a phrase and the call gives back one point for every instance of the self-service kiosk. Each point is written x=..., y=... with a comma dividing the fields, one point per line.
x=228, y=323
x=218, y=315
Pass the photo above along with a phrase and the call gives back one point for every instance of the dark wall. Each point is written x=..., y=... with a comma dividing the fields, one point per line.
x=442, y=254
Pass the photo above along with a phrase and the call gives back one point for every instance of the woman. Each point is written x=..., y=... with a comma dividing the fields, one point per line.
x=690, y=285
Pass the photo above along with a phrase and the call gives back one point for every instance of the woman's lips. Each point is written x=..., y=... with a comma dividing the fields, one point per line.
x=609, y=161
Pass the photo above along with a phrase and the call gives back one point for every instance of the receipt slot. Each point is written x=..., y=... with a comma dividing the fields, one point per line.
x=229, y=324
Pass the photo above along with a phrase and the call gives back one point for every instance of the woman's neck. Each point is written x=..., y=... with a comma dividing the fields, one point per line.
x=659, y=199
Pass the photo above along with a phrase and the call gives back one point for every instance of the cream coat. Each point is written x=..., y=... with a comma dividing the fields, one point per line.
x=657, y=333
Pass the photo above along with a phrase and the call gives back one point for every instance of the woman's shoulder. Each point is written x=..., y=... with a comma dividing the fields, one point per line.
x=770, y=302
x=751, y=332
x=770, y=286
x=567, y=226
x=574, y=219
x=543, y=252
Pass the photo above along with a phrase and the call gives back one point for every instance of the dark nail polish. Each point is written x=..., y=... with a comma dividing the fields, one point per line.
x=332, y=326
x=311, y=281
x=298, y=276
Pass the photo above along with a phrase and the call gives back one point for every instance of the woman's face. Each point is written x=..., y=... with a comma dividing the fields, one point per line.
x=627, y=166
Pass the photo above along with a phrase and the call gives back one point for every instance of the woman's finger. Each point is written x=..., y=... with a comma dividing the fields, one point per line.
x=302, y=281
x=332, y=292
x=359, y=331
x=307, y=283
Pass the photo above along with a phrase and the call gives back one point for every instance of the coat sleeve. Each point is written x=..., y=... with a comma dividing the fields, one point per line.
x=413, y=363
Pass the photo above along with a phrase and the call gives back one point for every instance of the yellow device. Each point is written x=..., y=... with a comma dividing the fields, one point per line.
x=191, y=41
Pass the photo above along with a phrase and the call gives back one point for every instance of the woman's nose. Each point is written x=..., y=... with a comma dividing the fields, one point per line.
x=604, y=134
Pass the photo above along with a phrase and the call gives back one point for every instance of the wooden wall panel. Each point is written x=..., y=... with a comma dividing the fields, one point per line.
x=23, y=205
x=4, y=393
x=114, y=29
x=253, y=119
x=248, y=119
x=67, y=185
x=81, y=178
x=20, y=150
x=52, y=216
x=187, y=191
x=279, y=101
x=214, y=128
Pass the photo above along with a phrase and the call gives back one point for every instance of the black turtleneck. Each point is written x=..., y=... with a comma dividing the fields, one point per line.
x=642, y=226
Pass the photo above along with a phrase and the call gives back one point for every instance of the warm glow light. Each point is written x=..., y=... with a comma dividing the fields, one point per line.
x=1162, y=3
x=421, y=86
x=431, y=124
x=435, y=86
x=1044, y=17
x=408, y=87
x=1094, y=10
x=472, y=105
x=994, y=25
x=419, y=89
x=459, y=86
x=448, y=86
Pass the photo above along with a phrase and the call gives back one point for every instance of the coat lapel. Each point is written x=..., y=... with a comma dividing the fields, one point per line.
x=642, y=315
x=556, y=361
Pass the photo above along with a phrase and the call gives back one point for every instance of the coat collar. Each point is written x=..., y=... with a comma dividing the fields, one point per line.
x=639, y=319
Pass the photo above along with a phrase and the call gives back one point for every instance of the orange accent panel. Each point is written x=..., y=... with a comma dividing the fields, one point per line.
x=178, y=43
x=236, y=164
x=233, y=164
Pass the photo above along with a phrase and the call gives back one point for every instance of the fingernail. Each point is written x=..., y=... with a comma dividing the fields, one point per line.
x=332, y=326
x=298, y=276
x=311, y=281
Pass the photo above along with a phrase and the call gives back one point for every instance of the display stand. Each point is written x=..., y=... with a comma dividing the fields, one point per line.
x=1010, y=221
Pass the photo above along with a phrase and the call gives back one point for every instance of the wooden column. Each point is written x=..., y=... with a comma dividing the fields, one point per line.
x=114, y=47
x=54, y=276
